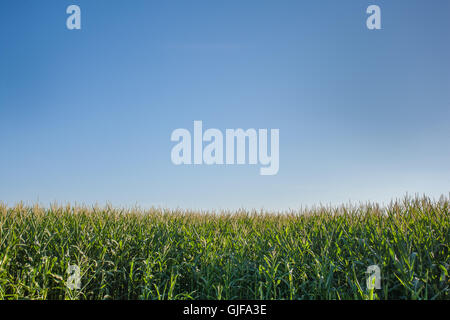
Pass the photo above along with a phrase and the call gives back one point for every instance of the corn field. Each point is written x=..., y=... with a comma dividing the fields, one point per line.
x=315, y=253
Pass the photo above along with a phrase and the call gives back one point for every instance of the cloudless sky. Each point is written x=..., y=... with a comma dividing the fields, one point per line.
x=86, y=115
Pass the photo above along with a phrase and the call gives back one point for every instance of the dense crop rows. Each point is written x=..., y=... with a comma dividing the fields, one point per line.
x=320, y=253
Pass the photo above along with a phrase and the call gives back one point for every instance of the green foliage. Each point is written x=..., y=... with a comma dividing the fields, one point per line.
x=318, y=253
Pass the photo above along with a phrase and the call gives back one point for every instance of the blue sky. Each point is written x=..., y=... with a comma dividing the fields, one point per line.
x=86, y=115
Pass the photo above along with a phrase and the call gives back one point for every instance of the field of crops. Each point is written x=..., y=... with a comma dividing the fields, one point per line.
x=318, y=253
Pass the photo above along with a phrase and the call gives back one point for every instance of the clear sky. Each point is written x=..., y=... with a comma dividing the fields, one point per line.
x=86, y=115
